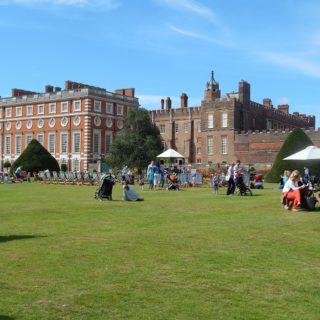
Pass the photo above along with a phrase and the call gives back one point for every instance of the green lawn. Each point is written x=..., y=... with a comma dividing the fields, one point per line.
x=177, y=255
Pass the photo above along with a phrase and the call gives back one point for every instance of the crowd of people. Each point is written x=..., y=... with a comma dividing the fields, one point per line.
x=159, y=176
x=19, y=175
x=297, y=190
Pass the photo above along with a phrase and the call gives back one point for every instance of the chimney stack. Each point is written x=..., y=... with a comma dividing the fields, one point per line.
x=184, y=100
x=48, y=88
x=162, y=104
x=267, y=102
x=284, y=108
x=168, y=103
x=20, y=92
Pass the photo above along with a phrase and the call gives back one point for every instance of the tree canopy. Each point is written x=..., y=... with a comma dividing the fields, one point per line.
x=137, y=144
x=35, y=158
x=296, y=141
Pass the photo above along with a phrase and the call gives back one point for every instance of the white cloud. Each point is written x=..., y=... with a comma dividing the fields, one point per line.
x=190, y=33
x=294, y=63
x=189, y=5
x=221, y=41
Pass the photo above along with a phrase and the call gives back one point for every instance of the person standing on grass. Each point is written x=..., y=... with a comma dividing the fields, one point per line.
x=229, y=178
x=215, y=180
x=157, y=176
x=291, y=190
x=141, y=182
x=150, y=175
x=237, y=173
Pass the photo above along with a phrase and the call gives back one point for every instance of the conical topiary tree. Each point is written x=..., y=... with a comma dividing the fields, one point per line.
x=296, y=141
x=35, y=158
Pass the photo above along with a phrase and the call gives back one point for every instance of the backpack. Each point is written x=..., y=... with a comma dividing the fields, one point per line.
x=309, y=203
x=238, y=175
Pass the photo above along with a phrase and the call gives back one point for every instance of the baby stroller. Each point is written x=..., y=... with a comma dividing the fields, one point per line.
x=173, y=182
x=242, y=182
x=105, y=189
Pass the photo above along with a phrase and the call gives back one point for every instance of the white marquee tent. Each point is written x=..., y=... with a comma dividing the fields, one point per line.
x=170, y=153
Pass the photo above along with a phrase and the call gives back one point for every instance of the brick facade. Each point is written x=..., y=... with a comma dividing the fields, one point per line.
x=76, y=125
x=209, y=133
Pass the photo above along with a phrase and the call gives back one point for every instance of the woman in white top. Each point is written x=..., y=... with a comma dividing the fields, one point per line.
x=291, y=190
x=231, y=185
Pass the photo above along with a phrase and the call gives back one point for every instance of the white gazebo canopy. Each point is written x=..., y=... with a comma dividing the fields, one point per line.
x=170, y=153
x=309, y=153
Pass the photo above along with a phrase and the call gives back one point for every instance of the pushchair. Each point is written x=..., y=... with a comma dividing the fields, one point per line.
x=105, y=189
x=242, y=182
x=173, y=182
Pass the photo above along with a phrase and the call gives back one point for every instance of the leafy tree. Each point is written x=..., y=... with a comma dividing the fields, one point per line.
x=7, y=164
x=35, y=158
x=296, y=141
x=137, y=144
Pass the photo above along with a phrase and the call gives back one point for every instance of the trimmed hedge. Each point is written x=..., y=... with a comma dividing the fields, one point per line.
x=35, y=158
x=296, y=141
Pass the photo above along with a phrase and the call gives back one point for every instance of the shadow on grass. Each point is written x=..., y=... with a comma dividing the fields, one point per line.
x=18, y=237
x=5, y=317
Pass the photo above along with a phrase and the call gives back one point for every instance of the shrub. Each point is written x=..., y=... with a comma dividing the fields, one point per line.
x=64, y=167
x=7, y=164
x=296, y=141
x=35, y=158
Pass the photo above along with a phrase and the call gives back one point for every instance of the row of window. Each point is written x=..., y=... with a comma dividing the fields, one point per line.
x=109, y=108
x=224, y=120
x=64, y=108
x=63, y=122
x=51, y=147
x=41, y=122
x=186, y=125
x=97, y=142
x=210, y=149
x=76, y=139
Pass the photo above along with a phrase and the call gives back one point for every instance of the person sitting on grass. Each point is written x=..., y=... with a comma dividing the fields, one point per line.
x=18, y=173
x=291, y=191
x=128, y=192
x=258, y=181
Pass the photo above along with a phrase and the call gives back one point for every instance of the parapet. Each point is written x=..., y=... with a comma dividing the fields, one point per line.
x=274, y=131
x=71, y=85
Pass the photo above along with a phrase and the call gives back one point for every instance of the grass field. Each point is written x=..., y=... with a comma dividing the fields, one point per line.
x=177, y=255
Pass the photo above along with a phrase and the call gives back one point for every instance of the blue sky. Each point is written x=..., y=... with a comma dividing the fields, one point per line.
x=165, y=47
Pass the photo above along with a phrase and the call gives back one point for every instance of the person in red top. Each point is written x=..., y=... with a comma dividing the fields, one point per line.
x=258, y=181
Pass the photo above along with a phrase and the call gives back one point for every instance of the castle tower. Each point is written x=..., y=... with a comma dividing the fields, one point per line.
x=244, y=92
x=212, y=91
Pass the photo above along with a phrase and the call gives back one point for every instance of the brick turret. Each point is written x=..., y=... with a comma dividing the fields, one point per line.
x=168, y=103
x=212, y=91
x=184, y=100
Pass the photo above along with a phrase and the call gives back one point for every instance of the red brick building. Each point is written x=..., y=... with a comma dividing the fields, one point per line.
x=76, y=125
x=214, y=131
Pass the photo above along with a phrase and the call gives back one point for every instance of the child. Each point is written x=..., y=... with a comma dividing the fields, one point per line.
x=141, y=182
x=215, y=180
